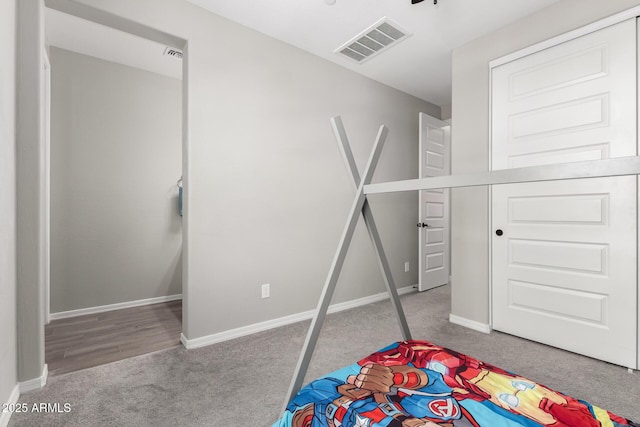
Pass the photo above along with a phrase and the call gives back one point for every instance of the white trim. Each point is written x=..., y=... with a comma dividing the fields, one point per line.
x=111, y=307
x=13, y=399
x=286, y=320
x=571, y=35
x=490, y=198
x=490, y=249
x=36, y=383
x=471, y=324
x=430, y=120
x=45, y=213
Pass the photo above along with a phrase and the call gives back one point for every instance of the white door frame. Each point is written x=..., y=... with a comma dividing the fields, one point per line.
x=31, y=16
x=45, y=192
x=634, y=12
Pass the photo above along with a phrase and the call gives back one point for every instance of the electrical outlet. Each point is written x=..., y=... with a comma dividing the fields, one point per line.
x=266, y=290
x=406, y=267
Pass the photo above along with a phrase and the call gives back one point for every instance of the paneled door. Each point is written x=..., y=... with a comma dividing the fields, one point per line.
x=564, y=265
x=435, y=153
x=564, y=260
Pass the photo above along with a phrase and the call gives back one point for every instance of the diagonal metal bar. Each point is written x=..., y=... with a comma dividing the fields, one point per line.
x=334, y=272
x=345, y=148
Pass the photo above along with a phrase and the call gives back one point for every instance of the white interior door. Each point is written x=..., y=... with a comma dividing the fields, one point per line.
x=564, y=269
x=435, y=155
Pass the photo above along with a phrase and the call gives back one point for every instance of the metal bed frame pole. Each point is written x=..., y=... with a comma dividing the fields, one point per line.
x=345, y=148
x=576, y=170
x=617, y=166
x=359, y=206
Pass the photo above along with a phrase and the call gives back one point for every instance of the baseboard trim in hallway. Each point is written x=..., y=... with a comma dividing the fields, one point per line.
x=112, y=307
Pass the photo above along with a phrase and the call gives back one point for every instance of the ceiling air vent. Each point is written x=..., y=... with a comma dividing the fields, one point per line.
x=176, y=53
x=375, y=39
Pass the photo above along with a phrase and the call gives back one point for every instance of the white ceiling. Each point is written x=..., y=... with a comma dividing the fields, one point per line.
x=419, y=65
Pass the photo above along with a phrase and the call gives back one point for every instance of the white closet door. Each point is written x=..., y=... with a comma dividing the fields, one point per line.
x=435, y=160
x=564, y=269
x=572, y=102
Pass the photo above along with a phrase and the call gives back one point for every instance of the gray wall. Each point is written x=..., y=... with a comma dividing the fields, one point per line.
x=268, y=194
x=470, y=138
x=30, y=175
x=115, y=158
x=8, y=349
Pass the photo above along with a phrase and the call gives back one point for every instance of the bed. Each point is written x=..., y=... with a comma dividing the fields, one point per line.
x=415, y=383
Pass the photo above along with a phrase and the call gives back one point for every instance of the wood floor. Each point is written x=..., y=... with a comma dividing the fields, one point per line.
x=95, y=339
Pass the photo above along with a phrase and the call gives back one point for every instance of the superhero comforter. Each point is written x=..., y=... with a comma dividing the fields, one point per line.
x=416, y=383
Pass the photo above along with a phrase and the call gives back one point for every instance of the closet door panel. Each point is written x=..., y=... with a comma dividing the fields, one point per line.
x=572, y=102
x=564, y=269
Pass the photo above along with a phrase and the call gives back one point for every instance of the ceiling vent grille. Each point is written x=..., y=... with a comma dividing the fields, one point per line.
x=176, y=53
x=372, y=41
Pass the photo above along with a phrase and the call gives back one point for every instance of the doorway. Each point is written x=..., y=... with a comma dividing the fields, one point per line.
x=116, y=167
x=434, y=239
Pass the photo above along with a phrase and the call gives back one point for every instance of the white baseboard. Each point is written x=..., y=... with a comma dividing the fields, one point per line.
x=286, y=320
x=471, y=324
x=110, y=307
x=13, y=399
x=36, y=383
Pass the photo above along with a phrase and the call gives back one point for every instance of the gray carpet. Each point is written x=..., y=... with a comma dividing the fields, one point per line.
x=243, y=382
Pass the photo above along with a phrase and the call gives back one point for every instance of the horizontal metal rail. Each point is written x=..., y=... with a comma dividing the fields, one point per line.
x=589, y=169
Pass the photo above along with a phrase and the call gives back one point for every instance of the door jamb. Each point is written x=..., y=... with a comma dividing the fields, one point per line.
x=44, y=153
x=45, y=194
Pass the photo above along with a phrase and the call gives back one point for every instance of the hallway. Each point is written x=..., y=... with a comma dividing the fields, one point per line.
x=95, y=339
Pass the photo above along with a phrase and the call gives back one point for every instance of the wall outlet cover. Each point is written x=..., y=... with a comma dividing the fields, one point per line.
x=266, y=290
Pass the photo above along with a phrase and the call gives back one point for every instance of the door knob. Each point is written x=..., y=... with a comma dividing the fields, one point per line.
x=422, y=224
x=499, y=232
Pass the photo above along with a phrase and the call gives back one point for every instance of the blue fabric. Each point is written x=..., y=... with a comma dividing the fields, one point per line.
x=459, y=390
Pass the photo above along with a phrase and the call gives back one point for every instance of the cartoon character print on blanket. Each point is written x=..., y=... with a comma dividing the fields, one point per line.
x=416, y=383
